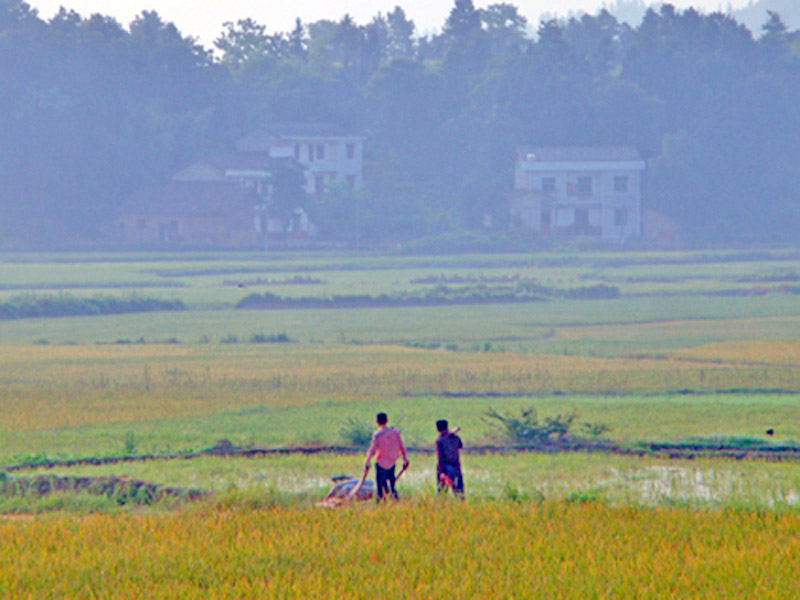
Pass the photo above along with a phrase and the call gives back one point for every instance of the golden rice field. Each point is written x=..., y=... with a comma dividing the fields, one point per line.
x=411, y=550
x=48, y=387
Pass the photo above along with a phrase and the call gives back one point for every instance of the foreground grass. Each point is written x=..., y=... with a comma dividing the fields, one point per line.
x=422, y=549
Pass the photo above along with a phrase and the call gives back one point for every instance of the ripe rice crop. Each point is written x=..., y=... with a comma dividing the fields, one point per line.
x=411, y=550
x=44, y=387
x=754, y=352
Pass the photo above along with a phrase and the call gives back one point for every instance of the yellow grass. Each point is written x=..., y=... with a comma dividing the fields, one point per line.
x=754, y=352
x=412, y=550
x=45, y=387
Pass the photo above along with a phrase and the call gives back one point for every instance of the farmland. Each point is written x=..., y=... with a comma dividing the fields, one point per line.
x=699, y=347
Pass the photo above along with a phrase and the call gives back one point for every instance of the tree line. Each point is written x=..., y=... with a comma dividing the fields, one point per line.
x=91, y=110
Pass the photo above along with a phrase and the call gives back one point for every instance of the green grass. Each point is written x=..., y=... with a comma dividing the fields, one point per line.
x=618, y=480
x=631, y=419
x=648, y=323
x=540, y=326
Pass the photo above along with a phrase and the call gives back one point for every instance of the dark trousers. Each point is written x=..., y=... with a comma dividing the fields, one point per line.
x=453, y=473
x=384, y=480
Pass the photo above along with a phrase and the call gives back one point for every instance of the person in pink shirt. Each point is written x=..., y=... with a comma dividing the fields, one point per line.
x=387, y=446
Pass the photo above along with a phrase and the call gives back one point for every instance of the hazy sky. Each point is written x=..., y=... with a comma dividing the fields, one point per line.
x=204, y=20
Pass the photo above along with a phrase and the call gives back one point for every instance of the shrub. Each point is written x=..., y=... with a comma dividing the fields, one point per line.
x=583, y=496
x=600, y=291
x=525, y=428
x=260, y=338
x=356, y=433
x=64, y=305
x=130, y=442
x=594, y=429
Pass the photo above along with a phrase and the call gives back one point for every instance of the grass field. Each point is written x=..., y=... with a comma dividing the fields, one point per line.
x=419, y=550
x=699, y=345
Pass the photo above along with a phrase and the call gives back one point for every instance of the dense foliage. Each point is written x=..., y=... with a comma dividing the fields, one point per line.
x=64, y=305
x=90, y=110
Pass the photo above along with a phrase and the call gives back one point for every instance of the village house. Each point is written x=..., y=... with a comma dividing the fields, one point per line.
x=188, y=212
x=329, y=156
x=578, y=191
x=233, y=199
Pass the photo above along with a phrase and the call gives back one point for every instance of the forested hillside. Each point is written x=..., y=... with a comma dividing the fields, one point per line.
x=91, y=110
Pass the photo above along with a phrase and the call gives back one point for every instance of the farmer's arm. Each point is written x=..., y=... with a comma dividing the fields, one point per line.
x=373, y=448
x=403, y=452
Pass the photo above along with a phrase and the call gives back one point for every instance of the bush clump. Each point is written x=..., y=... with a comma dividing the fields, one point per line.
x=526, y=428
x=30, y=306
x=356, y=433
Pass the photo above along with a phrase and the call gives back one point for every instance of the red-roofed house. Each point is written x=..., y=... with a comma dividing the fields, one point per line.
x=232, y=199
x=193, y=212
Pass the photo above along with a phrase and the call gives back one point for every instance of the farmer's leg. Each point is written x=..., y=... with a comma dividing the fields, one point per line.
x=381, y=482
x=390, y=477
x=458, y=482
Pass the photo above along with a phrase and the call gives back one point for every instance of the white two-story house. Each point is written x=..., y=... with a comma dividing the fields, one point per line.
x=329, y=155
x=578, y=191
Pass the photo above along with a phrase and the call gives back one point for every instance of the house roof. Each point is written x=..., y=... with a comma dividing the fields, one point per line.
x=214, y=168
x=191, y=198
x=581, y=154
x=262, y=139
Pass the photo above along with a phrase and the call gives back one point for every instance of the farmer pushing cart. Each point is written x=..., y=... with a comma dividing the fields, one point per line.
x=387, y=446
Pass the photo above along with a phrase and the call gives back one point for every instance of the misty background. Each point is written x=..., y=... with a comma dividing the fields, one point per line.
x=92, y=110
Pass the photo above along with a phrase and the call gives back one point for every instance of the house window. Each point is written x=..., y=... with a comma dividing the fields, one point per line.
x=621, y=183
x=620, y=217
x=549, y=184
x=545, y=220
x=351, y=151
x=584, y=186
x=351, y=181
x=320, y=151
x=311, y=153
x=297, y=151
x=319, y=184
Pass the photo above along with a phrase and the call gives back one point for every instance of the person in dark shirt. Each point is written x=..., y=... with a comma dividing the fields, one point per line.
x=448, y=467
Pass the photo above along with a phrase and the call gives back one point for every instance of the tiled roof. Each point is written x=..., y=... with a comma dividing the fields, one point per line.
x=184, y=198
x=243, y=161
x=262, y=139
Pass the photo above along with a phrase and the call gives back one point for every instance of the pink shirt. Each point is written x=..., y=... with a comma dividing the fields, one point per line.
x=387, y=446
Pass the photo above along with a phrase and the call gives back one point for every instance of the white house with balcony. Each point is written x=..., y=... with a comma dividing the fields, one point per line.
x=578, y=191
x=329, y=155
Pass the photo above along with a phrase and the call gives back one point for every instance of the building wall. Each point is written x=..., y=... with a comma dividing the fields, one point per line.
x=329, y=161
x=228, y=230
x=595, y=199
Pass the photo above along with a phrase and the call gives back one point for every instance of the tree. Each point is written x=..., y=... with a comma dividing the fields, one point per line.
x=505, y=28
x=246, y=41
x=297, y=42
x=401, y=34
x=464, y=20
x=288, y=193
